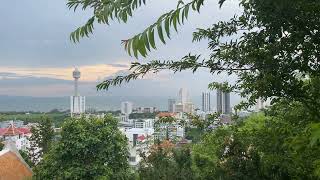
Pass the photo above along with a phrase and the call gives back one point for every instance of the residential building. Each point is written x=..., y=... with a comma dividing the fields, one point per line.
x=223, y=102
x=126, y=108
x=226, y=108
x=188, y=108
x=219, y=101
x=17, y=135
x=124, y=117
x=206, y=102
x=143, y=123
x=168, y=130
x=77, y=102
x=184, y=104
x=183, y=96
x=12, y=165
x=179, y=107
x=139, y=140
x=146, y=110
x=171, y=105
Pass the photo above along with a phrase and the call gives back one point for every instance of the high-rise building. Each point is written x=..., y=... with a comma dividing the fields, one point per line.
x=183, y=96
x=171, y=105
x=223, y=102
x=206, y=102
x=179, y=108
x=219, y=101
x=77, y=102
x=188, y=108
x=126, y=108
x=226, y=108
x=184, y=103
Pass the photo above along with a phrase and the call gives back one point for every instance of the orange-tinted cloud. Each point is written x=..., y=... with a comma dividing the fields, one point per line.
x=88, y=72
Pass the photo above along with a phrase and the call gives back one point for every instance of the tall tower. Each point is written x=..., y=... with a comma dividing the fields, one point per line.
x=126, y=108
x=77, y=102
x=226, y=108
x=206, y=102
x=219, y=101
x=76, y=75
x=183, y=96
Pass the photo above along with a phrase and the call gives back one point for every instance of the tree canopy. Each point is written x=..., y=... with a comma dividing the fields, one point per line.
x=89, y=149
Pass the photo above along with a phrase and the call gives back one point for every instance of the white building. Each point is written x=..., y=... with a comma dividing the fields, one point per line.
x=126, y=108
x=139, y=141
x=184, y=103
x=183, y=96
x=144, y=123
x=189, y=108
x=124, y=118
x=17, y=135
x=77, y=102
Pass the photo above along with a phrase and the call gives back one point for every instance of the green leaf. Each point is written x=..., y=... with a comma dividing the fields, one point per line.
x=135, y=46
x=146, y=41
x=167, y=26
x=142, y=47
x=160, y=33
x=151, y=38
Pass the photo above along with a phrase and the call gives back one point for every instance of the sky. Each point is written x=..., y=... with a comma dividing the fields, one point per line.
x=37, y=58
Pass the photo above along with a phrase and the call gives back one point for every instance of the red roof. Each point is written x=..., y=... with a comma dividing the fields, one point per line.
x=166, y=114
x=141, y=138
x=13, y=131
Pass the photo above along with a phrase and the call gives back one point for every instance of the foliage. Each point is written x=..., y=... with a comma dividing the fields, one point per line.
x=142, y=115
x=26, y=158
x=34, y=117
x=41, y=139
x=89, y=149
x=1, y=146
x=193, y=134
x=277, y=145
x=166, y=162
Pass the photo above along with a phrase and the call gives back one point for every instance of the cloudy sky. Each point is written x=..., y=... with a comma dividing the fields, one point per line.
x=37, y=58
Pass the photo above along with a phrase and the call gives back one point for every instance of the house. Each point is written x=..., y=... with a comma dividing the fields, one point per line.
x=12, y=165
x=17, y=135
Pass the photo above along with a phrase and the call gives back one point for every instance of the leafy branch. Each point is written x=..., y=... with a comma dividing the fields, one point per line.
x=145, y=41
x=103, y=12
x=121, y=10
x=189, y=62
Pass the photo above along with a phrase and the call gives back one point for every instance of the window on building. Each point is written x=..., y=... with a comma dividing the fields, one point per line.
x=132, y=159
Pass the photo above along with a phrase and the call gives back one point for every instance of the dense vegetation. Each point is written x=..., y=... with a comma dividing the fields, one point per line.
x=88, y=149
x=276, y=144
x=142, y=115
x=35, y=117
